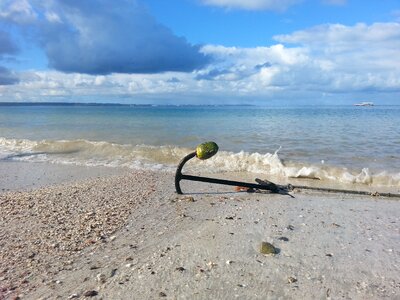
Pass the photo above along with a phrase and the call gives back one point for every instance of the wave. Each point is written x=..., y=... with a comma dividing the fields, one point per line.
x=91, y=153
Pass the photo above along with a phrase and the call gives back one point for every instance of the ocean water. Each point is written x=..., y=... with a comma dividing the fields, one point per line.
x=343, y=144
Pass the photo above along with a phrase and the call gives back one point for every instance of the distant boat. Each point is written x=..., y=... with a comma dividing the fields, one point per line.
x=364, y=104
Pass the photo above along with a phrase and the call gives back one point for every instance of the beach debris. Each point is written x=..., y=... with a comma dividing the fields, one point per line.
x=113, y=272
x=101, y=278
x=201, y=270
x=90, y=293
x=244, y=189
x=73, y=296
x=181, y=269
x=189, y=199
x=211, y=264
x=328, y=293
x=112, y=238
x=292, y=279
x=162, y=294
x=229, y=262
x=329, y=254
x=290, y=227
x=283, y=238
x=267, y=248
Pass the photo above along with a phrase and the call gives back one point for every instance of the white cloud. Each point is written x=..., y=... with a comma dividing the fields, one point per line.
x=17, y=11
x=337, y=36
x=52, y=17
x=277, y=5
x=101, y=37
x=360, y=51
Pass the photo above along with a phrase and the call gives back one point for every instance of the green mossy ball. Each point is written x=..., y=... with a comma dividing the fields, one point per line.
x=206, y=150
x=267, y=248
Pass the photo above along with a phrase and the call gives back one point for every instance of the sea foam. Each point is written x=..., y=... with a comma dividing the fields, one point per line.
x=100, y=153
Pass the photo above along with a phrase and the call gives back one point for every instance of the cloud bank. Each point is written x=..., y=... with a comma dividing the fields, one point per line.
x=99, y=37
x=332, y=59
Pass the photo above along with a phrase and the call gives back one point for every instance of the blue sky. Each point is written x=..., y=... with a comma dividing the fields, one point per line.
x=200, y=51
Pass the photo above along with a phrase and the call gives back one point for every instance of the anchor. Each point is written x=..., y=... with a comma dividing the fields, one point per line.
x=209, y=149
x=206, y=151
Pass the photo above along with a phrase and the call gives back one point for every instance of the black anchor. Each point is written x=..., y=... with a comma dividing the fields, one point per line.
x=205, y=151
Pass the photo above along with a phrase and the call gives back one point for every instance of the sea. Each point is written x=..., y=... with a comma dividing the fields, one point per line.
x=330, y=144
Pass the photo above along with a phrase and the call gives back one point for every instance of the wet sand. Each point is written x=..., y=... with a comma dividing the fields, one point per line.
x=131, y=237
x=24, y=176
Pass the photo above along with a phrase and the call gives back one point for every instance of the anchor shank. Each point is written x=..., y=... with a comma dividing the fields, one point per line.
x=178, y=174
x=226, y=182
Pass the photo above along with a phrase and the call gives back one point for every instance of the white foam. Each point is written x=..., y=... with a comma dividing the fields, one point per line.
x=90, y=153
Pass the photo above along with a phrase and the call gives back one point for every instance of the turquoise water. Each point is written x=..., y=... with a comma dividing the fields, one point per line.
x=355, y=144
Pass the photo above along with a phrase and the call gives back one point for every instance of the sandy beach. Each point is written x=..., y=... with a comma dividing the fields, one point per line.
x=128, y=235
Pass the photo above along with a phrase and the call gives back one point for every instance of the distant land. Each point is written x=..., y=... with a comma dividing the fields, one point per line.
x=110, y=104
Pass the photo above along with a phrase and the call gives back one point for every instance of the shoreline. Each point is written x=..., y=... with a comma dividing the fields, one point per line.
x=128, y=235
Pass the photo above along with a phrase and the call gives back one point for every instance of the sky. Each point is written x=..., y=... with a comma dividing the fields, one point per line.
x=200, y=51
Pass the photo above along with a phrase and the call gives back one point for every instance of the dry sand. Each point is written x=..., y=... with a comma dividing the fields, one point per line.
x=132, y=237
